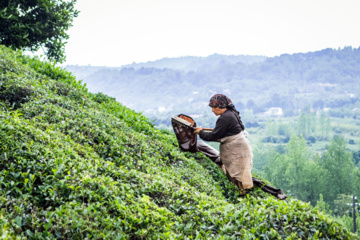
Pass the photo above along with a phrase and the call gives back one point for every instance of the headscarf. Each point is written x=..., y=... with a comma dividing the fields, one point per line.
x=222, y=101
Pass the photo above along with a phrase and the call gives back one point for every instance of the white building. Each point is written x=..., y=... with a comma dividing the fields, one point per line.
x=276, y=112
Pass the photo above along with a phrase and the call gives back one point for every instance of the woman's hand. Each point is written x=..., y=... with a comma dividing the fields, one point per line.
x=197, y=130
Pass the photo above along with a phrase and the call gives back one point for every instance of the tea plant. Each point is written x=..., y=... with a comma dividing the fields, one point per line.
x=78, y=165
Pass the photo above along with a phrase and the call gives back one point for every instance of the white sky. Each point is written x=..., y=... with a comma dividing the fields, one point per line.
x=118, y=32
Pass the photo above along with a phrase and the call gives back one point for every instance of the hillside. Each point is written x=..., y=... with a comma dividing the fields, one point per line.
x=76, y=165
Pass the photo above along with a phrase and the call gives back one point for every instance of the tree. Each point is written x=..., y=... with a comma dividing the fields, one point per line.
x=312, y=176
x=357, y=180
x=306, y=124
x=290, y=171
x=274, y=171
x=338, y=177
x=32, y=24
x=342, y=204
x=285, y=129
x=324, y=126
x=297, y=160
x=294, y=172
x=262, y=154
x=323, y=206
x=270, y=128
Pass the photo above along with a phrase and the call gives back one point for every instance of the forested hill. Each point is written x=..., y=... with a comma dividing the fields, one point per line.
x=323, y=79
x=78, y=165
x=197, y=63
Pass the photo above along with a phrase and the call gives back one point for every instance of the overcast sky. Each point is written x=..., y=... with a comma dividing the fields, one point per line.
x=119, y=32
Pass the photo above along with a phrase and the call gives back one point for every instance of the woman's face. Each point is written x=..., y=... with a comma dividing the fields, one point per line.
x=218, y=111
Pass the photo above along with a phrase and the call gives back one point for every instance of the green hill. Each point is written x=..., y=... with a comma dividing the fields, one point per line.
x=324, y=79
x=78, y=165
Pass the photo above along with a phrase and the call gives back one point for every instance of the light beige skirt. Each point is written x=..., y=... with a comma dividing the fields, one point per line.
x=236, y=155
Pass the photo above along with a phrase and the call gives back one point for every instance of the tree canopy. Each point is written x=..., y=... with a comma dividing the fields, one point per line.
x=32, y=24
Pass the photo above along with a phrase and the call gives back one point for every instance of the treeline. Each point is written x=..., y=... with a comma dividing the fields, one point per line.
x=317, y=129
x=312, y=158
x=321, y=79
x=327, y=180
x=309, y=125
x=331, y=173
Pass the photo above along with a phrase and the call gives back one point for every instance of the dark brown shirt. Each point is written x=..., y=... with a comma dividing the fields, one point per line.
x=226, y=125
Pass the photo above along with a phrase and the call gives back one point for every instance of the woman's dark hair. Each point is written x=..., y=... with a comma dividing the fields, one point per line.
x=232, y=108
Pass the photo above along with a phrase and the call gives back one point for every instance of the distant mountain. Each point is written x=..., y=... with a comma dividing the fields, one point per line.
x=82, y=72
x=323, y=79
x=195, y=63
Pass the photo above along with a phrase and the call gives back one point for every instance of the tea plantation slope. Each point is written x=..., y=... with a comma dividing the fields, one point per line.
x=76, y=165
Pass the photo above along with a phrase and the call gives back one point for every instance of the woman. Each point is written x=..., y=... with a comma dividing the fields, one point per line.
x=235, y=149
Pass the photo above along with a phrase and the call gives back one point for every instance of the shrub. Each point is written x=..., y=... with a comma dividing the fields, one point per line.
x=14, y=95
x=75, y=165
x=311, y=139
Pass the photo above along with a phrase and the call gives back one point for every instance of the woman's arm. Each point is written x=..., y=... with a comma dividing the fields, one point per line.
x=218, y=132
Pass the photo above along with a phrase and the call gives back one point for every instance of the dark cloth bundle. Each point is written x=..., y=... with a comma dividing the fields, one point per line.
x=185, y=135
x=278, y=193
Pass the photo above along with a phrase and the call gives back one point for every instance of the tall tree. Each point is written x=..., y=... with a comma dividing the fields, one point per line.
x=297, y=160
x=322, y=123
x=293, y=170
x=37, y=23
x=262, y=155
x=310, y=183
x=274, y=171
x=338, y=177
x=356, y=185
x=306, y=124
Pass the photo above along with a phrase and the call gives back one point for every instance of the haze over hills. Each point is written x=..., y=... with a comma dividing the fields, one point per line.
x=192, y=63
x=323, y=79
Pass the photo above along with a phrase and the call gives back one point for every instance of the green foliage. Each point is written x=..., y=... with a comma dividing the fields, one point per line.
x=348, y=221
x=322, y=206
x=302, y=81
x=306, y=124
x=262, y=155
x=325, y=181
x=338, y=171
x=293, y=171
x=342, y=203
x=34, y=24
x=77, y=165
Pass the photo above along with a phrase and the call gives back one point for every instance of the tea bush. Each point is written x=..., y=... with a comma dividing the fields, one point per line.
x=78, y=165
